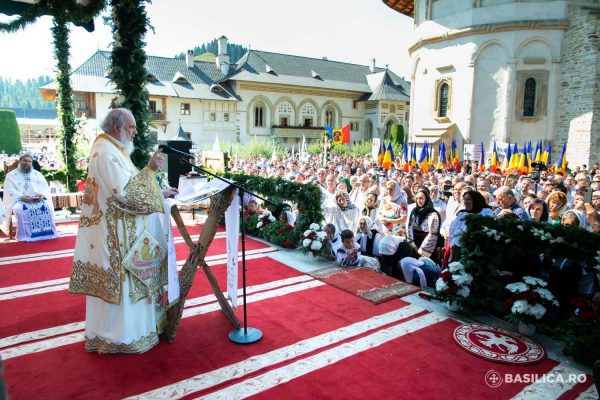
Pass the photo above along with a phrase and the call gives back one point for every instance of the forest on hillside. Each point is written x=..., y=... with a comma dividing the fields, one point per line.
x=24, y=93
x=235, y=51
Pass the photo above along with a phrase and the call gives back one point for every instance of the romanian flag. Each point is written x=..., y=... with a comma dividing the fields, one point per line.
x=482, y=159
x=405, y=160
x=547, y=155
x=388, y=158
x=561, y=165
x=455, y=160
x=441, y=156
x=494, y=164
x=413, y=154
x=506, y=162
x=513, y=164
x=524, y=161
x=381, y=153
x=537, y=157
x=424, y=158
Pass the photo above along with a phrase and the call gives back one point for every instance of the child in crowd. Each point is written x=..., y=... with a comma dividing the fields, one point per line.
x=348, y=254
x=252, y=208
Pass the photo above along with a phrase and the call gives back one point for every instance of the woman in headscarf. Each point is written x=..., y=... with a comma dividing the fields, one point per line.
x=368, y=237
x=393, y=208
x=344, y=214
x=557, y=205
x=288, y=217
x=473, y=203
x=538, y=210
x=423, y=227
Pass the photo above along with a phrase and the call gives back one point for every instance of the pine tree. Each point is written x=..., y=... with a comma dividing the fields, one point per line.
x=10, y=140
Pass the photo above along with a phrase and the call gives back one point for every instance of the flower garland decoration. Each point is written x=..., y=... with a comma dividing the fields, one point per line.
x=453, y=283
x=281, y=234
x=529, y=301
x=250, y=222
x=313, y=240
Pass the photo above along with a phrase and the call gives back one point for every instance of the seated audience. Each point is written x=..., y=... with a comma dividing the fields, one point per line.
x=368, y=237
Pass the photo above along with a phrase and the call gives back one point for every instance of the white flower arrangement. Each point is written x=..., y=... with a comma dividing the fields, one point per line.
x=313, y=239
x=453, y=283
x=530, y=300
x=265, y=219
x=492, y=233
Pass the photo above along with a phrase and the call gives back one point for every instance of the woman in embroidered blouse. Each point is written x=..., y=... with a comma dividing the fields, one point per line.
x=474, y=203
x=423, y=227
x=393, y=208
x=344, y=214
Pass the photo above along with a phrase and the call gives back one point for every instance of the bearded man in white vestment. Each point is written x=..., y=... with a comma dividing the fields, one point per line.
x=122, y=214
x=27, y=197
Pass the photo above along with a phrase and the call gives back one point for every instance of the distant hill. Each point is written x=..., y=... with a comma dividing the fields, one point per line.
x=24, y=93
x=235, y=51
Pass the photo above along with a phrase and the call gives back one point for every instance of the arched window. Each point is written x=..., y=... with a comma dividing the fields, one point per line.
x=259, y=115
x=443, y=100
x=529, y=98
x=330, y=117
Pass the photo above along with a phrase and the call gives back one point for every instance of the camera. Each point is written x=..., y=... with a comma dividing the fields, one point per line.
x=538, y=167
x=447, y=190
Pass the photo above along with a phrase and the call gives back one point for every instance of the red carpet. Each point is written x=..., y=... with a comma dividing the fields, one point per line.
x=365, y=283
x=319, y=343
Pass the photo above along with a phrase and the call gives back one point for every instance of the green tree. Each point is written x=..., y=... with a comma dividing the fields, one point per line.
x=10, y=136
x=397, y=134
x=128, y=69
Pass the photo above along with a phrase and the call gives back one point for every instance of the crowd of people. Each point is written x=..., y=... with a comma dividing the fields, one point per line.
x=409, y=224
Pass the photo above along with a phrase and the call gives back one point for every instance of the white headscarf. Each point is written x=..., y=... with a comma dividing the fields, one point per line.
x=291, y=218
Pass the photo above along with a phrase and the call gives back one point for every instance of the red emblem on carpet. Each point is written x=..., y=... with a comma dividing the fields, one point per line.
x=498, y=345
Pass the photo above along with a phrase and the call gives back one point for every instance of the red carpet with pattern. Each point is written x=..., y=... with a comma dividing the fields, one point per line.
x=319, y=342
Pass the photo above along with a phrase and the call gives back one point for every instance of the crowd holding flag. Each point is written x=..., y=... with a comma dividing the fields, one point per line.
x=561, y=165
x=494, y=162
x=388, y=158
x=342, y=135
x=405, y=160
x=482, y=159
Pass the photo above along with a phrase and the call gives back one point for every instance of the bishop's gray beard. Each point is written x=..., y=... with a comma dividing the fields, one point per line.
x=128, y=146
x=125, y=142
x=24, y=169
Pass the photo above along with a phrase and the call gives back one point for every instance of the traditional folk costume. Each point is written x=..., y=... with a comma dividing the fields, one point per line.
x=369, y=241
x=342, y=217
x=35, y=221
x=423, y=228
x=394, y=207
x=122, y=255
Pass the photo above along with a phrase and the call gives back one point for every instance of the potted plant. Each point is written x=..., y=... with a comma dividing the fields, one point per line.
x=529, y=303
x=264, y=219
x=313, y=240
x=453, y=285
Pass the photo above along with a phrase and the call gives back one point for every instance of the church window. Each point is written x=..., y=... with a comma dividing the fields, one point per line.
x=308, y=122
x=308, y=109
x=284, y=108
x=213, y=116
x=330, y=117
x=443, y=100
x=259, y=117
x=226, y=117
x=354, y=126
x=529, y=98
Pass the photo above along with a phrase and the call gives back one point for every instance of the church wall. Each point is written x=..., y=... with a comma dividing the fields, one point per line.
x=578, y=120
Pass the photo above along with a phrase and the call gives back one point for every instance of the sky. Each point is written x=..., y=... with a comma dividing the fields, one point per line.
x=353, y=31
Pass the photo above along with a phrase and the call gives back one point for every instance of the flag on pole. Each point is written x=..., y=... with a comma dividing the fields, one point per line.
x=482, y=159
x=513, y=164
x=524, y=161
x=506, y=162
x=561, y=165
x=537, y=157
x=424, y=159
x=388, y=158
x=546, y=156
x=381, y=153
x=413, y=154
x=405, y=160
x=454, y=155
x=441, y=156
x=346, y=133
x=494, y=163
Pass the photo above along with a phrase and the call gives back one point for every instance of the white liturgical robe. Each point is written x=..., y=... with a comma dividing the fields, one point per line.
x=35, y=221
x=121, y=253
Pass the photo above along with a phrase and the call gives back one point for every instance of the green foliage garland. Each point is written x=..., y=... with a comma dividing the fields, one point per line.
x=64, y=94
x=128, y=69
x=68, y=10
x=10, y=138
x=307, y=197
x=581, y=337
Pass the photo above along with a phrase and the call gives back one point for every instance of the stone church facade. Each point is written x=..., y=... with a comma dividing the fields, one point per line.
x=506, y=71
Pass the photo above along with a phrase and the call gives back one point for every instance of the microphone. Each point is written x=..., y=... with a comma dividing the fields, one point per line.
x=169, y=150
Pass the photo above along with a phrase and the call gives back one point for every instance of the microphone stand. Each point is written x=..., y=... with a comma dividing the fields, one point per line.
x=246, y=334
